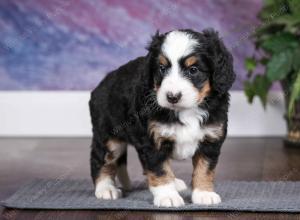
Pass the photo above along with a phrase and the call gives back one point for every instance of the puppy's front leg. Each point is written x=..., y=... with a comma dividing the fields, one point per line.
x=163, y=187
x=154, y=155
x=202, y=182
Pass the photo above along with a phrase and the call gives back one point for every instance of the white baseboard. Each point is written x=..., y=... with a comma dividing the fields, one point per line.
x=66, y=114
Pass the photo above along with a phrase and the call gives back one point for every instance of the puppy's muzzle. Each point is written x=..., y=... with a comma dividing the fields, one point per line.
x=173, y=98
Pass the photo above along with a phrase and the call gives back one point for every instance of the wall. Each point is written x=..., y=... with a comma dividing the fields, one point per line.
x=53, y=52
x=72, y=44
x=60, y=113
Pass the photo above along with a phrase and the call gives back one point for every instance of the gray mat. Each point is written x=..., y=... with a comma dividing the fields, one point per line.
x=79, y=194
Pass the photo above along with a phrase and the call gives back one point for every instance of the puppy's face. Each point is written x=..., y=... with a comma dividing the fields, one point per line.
x=182, y=76
x=188, y=66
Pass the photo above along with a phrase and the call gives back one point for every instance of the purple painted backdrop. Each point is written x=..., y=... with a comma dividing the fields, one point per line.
x=72, y=44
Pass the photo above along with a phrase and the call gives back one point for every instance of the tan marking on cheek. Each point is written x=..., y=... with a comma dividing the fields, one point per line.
x=202, y=176
x=204, y=92
x=190, y=61
x=154, y=180
x=163, y=60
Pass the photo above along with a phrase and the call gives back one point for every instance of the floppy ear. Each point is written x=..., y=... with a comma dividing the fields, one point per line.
x=155, y=43
x=221, y=60
x=153, y=48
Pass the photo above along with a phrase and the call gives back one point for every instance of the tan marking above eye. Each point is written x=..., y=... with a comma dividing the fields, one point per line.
x=163, y=60
x=190, y=61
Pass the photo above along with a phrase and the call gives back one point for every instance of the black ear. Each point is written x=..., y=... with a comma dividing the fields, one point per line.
x=156, y=42
x=154, y=48
x=221, y=61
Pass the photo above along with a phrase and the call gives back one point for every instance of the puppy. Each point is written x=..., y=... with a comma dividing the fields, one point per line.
x=170, y=104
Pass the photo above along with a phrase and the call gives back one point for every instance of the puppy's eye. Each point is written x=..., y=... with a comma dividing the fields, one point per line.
x=193, y=70
x=162, y=69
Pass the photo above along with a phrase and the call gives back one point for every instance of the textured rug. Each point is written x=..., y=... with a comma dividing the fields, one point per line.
x=79, y=194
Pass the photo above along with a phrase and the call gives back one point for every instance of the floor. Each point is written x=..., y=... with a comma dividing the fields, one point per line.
x=22, y=160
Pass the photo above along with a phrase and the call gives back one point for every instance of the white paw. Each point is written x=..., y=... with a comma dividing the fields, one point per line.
x=180, y=185
x=166, y=196
x=205, y=197
x=106, y=189
x=171, y=200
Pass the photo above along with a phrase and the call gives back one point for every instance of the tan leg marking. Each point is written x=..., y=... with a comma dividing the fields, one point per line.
x=164, y=189
x=155, y=180
x=105, y=183
x=203, y=188
x=107, y=171
x=202, y=176
x=115, y=150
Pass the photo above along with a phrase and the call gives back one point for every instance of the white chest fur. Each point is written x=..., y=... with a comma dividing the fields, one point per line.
x=188, y=133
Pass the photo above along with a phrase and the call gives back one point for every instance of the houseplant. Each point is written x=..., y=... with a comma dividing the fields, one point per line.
x=277, y=59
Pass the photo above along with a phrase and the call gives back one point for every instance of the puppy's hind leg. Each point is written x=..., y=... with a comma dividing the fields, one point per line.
x=122, y=172
x=104, y=157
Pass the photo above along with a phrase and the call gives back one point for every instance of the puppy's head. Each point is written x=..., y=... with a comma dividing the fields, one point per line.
x=188, y=67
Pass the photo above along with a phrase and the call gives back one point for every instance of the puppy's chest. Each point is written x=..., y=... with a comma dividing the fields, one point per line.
x=186, y=138
x=186, y=135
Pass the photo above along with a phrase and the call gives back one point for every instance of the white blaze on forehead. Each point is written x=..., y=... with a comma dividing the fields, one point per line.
x=178, y=44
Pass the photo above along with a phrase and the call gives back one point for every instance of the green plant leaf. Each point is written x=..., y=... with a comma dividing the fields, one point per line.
x=279, y=42
x=250, y=64
x=249, y=91
x=271, y=9
x=264, y=61
x=279, y=65
x=266, y=11
x=296, y=59
x=294, y=6
x=288, y=20
x=258, y=87
x=268, y=2
x=262, y=86
x=295, y=94
x=266, y=30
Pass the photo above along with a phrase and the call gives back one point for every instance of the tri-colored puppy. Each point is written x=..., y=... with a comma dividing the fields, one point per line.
x=170, y=104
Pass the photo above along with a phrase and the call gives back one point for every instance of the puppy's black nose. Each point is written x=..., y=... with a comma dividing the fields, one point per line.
x=173, y=98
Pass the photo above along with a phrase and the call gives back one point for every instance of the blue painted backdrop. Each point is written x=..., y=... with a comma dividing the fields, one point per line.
x=72, y=44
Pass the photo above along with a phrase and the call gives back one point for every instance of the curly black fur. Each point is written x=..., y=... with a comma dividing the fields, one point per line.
x=124, y=102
